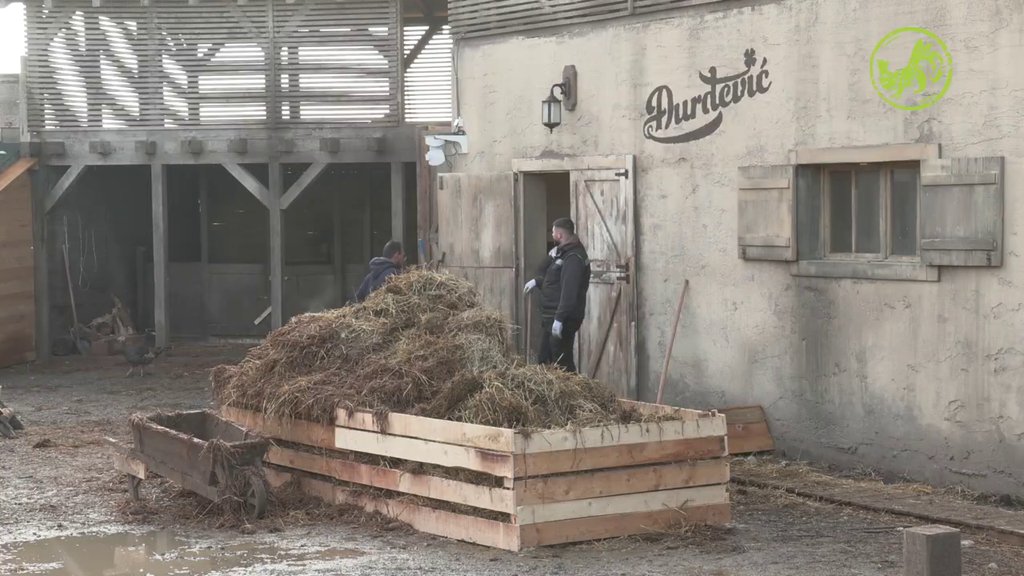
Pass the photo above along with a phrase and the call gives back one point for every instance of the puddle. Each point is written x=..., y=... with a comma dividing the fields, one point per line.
x=163, y=553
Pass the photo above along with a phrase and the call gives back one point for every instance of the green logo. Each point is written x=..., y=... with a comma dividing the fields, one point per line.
x=911, y=68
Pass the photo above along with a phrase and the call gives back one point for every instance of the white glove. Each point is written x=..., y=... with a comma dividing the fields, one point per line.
x=529, y=286
x=554, y=252
x=556, y=329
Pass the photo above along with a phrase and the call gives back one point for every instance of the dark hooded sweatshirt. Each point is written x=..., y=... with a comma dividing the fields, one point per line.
x=563, y=282
x=380, y=270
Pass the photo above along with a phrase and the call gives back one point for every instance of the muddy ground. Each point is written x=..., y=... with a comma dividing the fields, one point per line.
x=63, y=510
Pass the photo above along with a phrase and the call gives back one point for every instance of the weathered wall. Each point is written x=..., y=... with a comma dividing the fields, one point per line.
x=915, y=378
x=9, y=102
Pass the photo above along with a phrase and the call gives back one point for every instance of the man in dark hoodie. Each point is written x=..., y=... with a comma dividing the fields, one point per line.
x=563, y=278
x=382, y=268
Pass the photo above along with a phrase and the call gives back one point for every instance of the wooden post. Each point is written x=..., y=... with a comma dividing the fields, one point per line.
x=276, y=245
x=160, y=295
x=40, y=187
x=339, y=248
x=398, y=203
x=204, y=241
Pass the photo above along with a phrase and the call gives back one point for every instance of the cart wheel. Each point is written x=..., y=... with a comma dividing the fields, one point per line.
x=255, y=496
x=133, y=487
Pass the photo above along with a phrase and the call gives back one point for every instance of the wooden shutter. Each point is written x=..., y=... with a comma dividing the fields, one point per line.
x=476, y=234
x=962, y=211
x=767, y=222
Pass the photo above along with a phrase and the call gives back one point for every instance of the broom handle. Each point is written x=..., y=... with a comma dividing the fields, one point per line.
x=71, y=291
x=671, y=342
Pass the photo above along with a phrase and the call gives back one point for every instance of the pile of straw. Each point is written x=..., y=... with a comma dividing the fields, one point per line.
x=421, y=345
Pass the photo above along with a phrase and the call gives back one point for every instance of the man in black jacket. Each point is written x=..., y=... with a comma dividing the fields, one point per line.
x=563, y=279
x=382, y=268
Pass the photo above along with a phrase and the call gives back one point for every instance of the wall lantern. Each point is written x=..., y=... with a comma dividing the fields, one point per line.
x=551, y=107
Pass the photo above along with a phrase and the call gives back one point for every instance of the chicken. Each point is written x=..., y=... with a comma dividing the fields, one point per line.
x=140, y=351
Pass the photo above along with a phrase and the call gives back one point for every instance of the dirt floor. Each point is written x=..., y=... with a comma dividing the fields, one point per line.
x=63, y=510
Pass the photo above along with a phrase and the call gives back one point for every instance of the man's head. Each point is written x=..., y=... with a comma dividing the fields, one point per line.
x=563, y=231
x=393, y=251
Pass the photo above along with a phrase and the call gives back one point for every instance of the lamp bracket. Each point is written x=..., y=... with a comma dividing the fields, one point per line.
x=569, y=87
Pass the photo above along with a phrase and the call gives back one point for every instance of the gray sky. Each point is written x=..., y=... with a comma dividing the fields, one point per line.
x=12, y=38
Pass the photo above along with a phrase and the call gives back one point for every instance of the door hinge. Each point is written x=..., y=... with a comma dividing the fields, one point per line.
x=622, y=174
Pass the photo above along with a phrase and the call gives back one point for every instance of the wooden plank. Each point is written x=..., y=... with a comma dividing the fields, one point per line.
x=398, y=203
x=543, y=463
x=459, y=433
x=743, y=414
x=417, y=450
x=748, y=438
x=630, y=480
x=622, y=504
x=337, y=467
x=274, y=192
x=298, y=431
x=431, y=521
x=661, y=409
x=583, y=529
x=620, y=435
x=14, y=171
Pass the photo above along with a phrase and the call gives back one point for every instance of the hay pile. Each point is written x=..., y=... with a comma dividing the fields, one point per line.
x=421, y=345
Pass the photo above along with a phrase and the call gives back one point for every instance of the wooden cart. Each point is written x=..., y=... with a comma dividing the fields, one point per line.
x=200, y=452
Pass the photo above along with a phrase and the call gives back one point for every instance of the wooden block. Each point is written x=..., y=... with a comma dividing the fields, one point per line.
x=543, y=463
x=298, y=431
x=473, y=435
x=395, y=480
x=416, y=450
x=582, y=529
x=621, y=481
x=622, y=504
x=743, y=414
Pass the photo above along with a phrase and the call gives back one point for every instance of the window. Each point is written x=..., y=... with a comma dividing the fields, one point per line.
x=888, y=212
x=870, y=211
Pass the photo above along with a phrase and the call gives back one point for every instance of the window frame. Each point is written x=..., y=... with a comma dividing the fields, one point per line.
x=886, y=170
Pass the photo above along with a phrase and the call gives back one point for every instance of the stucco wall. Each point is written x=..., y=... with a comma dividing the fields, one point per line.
x=915, y=378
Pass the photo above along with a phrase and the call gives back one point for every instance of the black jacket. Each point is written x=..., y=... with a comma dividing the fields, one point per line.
x=563, y=280
x=380, y=270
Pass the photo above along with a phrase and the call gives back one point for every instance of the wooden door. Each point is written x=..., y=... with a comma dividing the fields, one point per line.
x=602, y=207
x=17, y=266
x=476, y=235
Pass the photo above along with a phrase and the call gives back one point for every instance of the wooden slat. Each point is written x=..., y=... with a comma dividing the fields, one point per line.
x=582, y=529
x=462, y=434
x=748, y=438
x=15, y=170
x=427, y=486
x=614, y=482
x=540, y=464
x=620, y=435
x=593, y=508
x=127, y=465
x=417, y=450
x=429, y=520
x=298, y=431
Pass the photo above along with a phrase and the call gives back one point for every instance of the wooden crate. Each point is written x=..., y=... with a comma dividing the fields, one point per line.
x=550, y=487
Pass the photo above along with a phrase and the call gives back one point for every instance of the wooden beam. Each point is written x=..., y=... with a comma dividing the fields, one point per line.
x=254, y=186
x=622, y=504
x=398, y=203
x=421, y=44
x=578, y=460
x=308, y=177
x=63, y=185
x=276, y=245
x=161, y=317
x=290, y=430
x=446, y=431
x=449, y=455
x=40, y=185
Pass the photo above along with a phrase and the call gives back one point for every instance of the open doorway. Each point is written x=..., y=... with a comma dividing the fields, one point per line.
x=545, y=197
